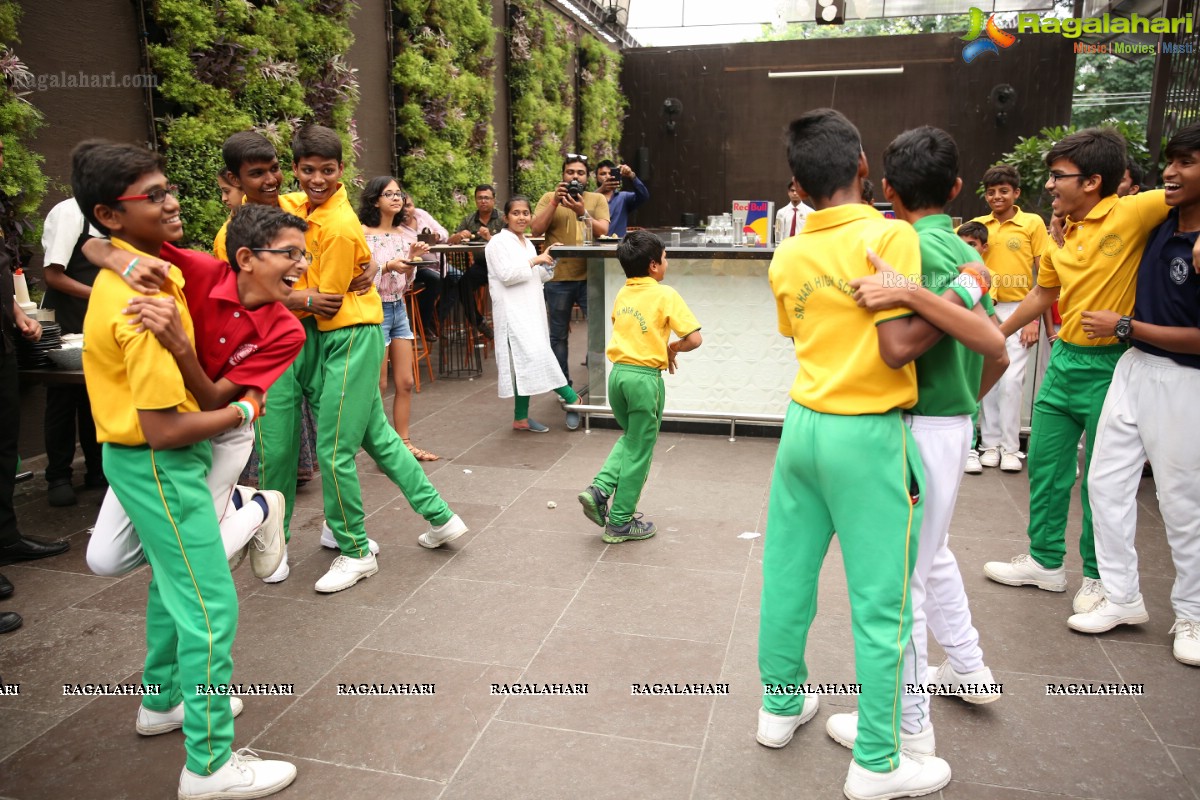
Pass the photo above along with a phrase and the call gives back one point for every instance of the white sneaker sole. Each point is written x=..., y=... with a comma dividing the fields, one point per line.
x=280, y=575
x=358, y=576
x=1044, y=585
x=428, y=543
x=896, y=794
x=778, y=743
x=1136, y=619
x=973, y=470
x=234, y=793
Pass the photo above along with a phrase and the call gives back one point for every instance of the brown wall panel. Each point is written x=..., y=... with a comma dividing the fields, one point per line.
x=373, y=117
x=729, y=140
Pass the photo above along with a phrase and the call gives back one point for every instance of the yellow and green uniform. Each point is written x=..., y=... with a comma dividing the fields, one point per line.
x=1012, y=246
x=344, y=367
x=191, y=611
x=644, y=314
x=1094, y=270
x=846, y=462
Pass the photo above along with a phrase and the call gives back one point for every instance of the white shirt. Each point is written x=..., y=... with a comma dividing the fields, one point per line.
x=64, y=225
x=784, y=218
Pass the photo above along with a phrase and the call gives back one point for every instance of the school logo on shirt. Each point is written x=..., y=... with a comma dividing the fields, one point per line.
x=1013, y=243
x=242, y=354
x=1112, y=245
x=1179, y=271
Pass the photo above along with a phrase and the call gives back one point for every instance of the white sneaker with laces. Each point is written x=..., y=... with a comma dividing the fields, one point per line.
x=244, y=775
x=843, y=729
x=1187, y=641
x=438, y=535
x=152, y=723
x=978, y=687
x=912, y=778
x=1105, y=616
x=1089, y=595
x=973, y=466
x=345, y=571
x=266, y=545
x=330, y=543
x=1009, y=462
x=281, y=572
x=990, y=457
x=776, y=731
x=1024, y=571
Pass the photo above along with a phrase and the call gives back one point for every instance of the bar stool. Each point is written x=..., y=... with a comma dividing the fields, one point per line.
x=418, y=326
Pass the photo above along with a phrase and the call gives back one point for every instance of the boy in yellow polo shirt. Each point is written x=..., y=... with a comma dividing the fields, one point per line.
x=1016, y=243
x=644, y=314
x=349, y=356
x=846, y=460
x=156, y=455
x=1096, y=268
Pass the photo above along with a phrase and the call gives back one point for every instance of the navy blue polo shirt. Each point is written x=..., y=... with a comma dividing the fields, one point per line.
x=1168, y=288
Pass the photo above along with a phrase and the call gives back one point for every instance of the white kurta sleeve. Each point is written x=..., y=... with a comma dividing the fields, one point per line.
x=507, y=259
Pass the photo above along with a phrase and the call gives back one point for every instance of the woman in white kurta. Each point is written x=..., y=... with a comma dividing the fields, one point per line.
x=525, y=362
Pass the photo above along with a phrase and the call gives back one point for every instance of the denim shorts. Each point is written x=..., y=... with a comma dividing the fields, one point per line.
x=395, y=321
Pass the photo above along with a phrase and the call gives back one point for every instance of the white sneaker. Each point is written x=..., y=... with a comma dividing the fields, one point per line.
x=1105, y=616
x=1024, y=571
x=152, y=723
x=1187, y=641
x=990, y=457
x=913, y=778
x=843, y=728
x=1089, y=595
x=346, y=571
x=438, y=535
x=281, y=572
x=243, y=775
x=973, y=466
x=330, y=543
x=1009, y=462
x=777, y=731
x=266, y=545
x=978, y=687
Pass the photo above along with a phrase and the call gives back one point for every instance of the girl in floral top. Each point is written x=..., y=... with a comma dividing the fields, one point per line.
x=379, y=211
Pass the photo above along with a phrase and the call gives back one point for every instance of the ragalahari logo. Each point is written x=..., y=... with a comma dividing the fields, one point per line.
x=984, y=25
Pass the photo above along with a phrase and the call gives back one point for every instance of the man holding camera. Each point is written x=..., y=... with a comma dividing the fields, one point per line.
x=560, y=215
x=608, y=181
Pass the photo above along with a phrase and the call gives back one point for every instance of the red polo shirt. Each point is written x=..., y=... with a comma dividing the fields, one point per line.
x=249, y=347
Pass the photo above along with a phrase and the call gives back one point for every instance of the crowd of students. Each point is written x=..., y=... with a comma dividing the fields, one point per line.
x=902, y=328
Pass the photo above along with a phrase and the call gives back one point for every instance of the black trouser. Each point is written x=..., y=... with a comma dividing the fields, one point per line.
x=431, y=280
x=67, y=410
x=10, y=427
x=463, y=287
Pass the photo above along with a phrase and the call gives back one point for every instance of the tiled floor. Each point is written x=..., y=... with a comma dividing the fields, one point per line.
x=532, y=595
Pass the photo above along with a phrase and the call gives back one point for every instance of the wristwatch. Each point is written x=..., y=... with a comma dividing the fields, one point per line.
x=1124, y=328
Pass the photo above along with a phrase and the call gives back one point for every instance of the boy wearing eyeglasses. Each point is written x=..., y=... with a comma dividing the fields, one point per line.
x=1017, y=243
x=156, y=455
x=350, y=354
x=557, y=215
x=1096, y=268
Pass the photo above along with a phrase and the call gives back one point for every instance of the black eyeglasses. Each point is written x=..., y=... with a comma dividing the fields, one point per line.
x=577, y=157
x=156, y=196
x=1055, y=177
x=293, y=253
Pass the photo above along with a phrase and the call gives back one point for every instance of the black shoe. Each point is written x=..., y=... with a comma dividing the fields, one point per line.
x=10, y=621
x=61, y=494
x=27, y=549
x=95, y=480
x=485, y=330
x=6, y=587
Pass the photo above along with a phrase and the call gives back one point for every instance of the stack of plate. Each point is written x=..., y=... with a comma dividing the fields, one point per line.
x=33, y=355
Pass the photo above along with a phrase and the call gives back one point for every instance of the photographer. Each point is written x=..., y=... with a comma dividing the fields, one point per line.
x=608, y=181
x=558, y=216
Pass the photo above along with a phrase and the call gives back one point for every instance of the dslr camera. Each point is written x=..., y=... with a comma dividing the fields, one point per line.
x=575, y=189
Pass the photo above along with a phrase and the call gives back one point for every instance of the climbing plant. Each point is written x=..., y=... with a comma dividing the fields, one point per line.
x=22, y=182
x=602, y=104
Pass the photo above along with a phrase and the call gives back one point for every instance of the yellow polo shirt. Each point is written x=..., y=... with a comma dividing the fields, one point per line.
x=837, y=345
x=127, y=371
x=1012, y=247
x=1096, y=268
x=335, y=239
x=644, y=314
x=219, y=241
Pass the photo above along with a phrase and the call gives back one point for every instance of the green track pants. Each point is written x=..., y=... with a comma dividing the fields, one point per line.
x=637, y=396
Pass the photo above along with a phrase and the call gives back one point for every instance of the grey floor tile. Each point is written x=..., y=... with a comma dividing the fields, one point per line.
x=22, y=727
x=690, y=542
x=527, y=557
x=1172, y=699
x=41, y=593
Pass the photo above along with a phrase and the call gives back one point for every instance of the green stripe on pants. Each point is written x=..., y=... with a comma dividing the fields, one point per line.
x=851, y=474
x=637, y=396
x=1068, y=404
x=192, y=609
x=277, y=432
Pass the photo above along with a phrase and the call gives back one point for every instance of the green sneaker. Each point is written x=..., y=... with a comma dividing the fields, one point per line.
x=595, y=504
x=634, y=529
